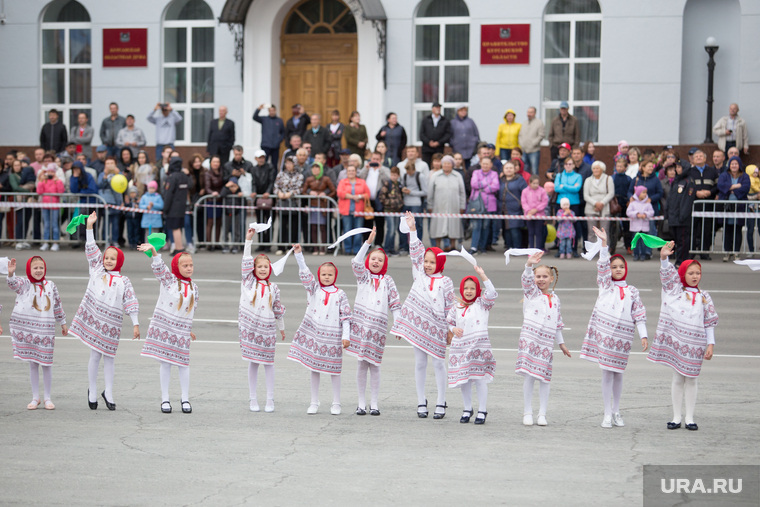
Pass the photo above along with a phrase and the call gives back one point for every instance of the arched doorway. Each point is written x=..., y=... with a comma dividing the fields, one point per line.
x=318, y=58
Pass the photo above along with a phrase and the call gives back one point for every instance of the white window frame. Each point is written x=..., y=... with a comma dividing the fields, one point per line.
x=441, y=63
x=185, y=108
x=64, y=108
x=571, y=61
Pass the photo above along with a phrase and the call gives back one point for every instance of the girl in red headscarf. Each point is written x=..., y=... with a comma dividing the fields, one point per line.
x=259, y=318
x=422, y=320
x=97, y=323
x=685, y=332
x=38, y=308
x=376, y=294
x=470, y=358
x=171, y=327
x=617, y=314
x=324, y=332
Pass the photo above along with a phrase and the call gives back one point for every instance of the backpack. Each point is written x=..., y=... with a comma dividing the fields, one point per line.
x=393, y=199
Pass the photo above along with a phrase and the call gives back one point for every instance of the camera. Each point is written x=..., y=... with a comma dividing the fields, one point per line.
x=374, y=164
x=164, y=105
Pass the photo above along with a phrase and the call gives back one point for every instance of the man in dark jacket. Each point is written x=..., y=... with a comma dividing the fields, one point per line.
x=680, y=200
x=237, y=166
x=175, y=201
x=110, y=127
x=264, y=175
x=53, y=135
x=435, y=132
x=706, y=186
x=272, y=132
x=317, y=136
x=296, y=125
x=221, y=136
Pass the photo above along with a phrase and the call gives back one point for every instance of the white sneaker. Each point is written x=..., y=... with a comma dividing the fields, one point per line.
x=19, y=246
x=55, y=247
x=44, y=247
x=269, y=407
x=541, y=420
x=607, y=421
x=254, y=406
x=279, y=252
x=313, y=408
x=528, y=419
x=190, y=249
x=617, y=420
x=26, y=246
x=335, y=409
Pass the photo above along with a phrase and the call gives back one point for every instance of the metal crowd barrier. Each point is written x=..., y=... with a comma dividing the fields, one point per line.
x=21, y=214
x=725, y=227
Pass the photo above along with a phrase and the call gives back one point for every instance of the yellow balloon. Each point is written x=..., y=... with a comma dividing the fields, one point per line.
x=551, y=233
x=119, y=183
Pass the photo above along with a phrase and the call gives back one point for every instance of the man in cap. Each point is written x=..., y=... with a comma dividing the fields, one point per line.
x=435, y=132
x=564, y=129
x=53, y=136
x=464, y=135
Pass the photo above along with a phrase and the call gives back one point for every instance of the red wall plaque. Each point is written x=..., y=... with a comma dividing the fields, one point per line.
x=504, y=44
x=125, y=47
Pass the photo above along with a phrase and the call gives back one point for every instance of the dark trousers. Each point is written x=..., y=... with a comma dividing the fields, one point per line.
x=378, y=222
x=288, y=228
x=273, y=155
x=134, y=231
x=578, y=225
x=682, y=238
x=535, y=233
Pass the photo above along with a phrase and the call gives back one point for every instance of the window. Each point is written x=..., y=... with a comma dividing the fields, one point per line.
x=188, y=67
x=441, y=58
x=321, y=16
x=572, y=61
x=66, y=61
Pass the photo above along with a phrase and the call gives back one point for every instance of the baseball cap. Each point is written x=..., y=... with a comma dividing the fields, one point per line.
x=101, y=148
x=566, y=146
x=345, y=151
x=436, y=104
x=233, y=180
x=564, y=105
x=693, y=150
x=259, y=153
x=491, y=146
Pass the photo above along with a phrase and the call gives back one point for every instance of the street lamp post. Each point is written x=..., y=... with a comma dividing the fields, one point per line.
x=711, y=46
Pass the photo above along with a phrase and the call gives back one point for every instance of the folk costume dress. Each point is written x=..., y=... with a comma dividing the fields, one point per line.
x=168, y=338
x=376, y=294
x=260, y=313
x=618, y=312
x=108, y=297
x=470, y=356
x=35, y=313
x=317, y=344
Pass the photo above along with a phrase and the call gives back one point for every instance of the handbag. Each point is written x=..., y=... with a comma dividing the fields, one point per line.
x=615, y=207
x=368, y=209
x=476, y=206
x=263, y=203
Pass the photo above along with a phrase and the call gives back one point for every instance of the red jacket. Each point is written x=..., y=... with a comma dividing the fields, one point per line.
x=344, y=188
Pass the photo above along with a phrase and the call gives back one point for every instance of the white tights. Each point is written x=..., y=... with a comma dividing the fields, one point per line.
x=482, y=387
x=543, y=395
x=253, y=373
x=420, y=370
x=315, y=388
x=361, y=383
x=165, y=374
x=92, y=373
x=612, y=388
x=34, y=377
x=683, y=389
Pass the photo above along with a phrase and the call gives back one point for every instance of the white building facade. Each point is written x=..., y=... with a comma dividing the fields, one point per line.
x=629, y=70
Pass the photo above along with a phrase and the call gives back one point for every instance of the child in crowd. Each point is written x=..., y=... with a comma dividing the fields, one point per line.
x=49, y=183
x=134, y=233
x=392, y=200
x=618, y=312
x=170, y=332
x=565, y=230
x=470, y=358
x=98, y=321
x=325, y=328
x=376, y=294
x=640, y=212
x=534, y=201
x=153, y=201
x=32, y=325
x=622, y=182
x=422, y=321
x=542, y=327
x=685, y=332
x=259, y=317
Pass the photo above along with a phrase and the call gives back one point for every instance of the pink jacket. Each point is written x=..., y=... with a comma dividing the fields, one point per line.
x=635, y=207
x=487, y=186
x=50, y=186
x=534, y=199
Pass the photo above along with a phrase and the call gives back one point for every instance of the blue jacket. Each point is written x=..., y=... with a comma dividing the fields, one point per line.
x=106, y=192
x=568, y=185
x=272, y=130
x=622, y=182
x=464, y=136
x=85, y=184
x=151, y=219
x=654, y=189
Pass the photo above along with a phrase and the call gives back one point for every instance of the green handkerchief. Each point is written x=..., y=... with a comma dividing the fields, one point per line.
x=649, y=240
x=158, y=240
x=76, y=222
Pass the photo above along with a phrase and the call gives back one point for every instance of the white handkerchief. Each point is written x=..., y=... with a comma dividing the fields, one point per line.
x=352, y=232
x=519, y=251
x=592, y=249
x=463, y=253
x=261, y=227
x=753, y=264
x=279, y=266
x=4, y=265
x=403, y=227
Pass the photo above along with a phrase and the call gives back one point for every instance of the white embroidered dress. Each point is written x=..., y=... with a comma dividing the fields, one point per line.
x=470, y=356
x=422, y=320
x=35, y=313
x=168, y=338
x=317, y=343
x=542, y=326
x=618, y=312
x=375, y=296
x=259, y=321
x=686, y=325
x=108, y=297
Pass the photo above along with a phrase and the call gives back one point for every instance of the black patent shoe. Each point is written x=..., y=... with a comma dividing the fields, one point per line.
x=422, y=415
x=186, y=407
x=360, y=411
x=92, y=404
x=166, y=407
x=481, y=420
x=436, y=415
x=692, y=427
x=111, y=406
x=465, y=418
x=673, y=425
x=374, y=411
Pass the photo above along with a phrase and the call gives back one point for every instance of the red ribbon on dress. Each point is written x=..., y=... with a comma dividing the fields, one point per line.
x=549, y=297
x=42, y=287
x=327, y=294
x=433, y=279
x=376, y=281
x=186, y=285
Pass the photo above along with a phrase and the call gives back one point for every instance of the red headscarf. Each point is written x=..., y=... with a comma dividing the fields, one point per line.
x=119, y=257
x=319, y=279
x=625, y=264
x=440, y=260
x=270, y=268
x=477, y=289
x=175, y=267
x=29, y=269
x=384, y=269
x=682, y=271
